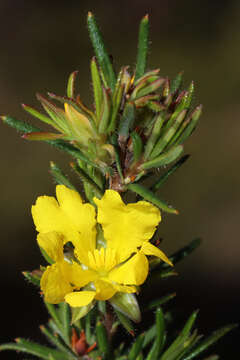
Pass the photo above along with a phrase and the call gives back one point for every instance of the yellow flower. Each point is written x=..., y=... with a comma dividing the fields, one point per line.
x=93, y=272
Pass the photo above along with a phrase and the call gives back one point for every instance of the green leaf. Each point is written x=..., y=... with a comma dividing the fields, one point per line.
x=164, y=159
x=54, y=340
x=85, y=178
x=97, y=87
x=213, y=338
x=125, y=321
x=29, y=347
x=155, y=303
x=167, y=135
x=19, y=125
x=117, y=99
x=136, y=347
x=33, y=277
x=142, y=47
x=163, y=178
x=148, y=77
x=105, y=112
x=118, y=161
x=65, y=316
x=152, y=87
x=182, y=253
x=189, y=125
x=137, y=145
x=126, y=122
x=178, y=344
x=42, y=136
x=57, y=114
x=52, y=309
x=78, y=106
x=100, y=51
x=160, y=336
x=154, y=135
x=80, y=312
x=180, y=107
x=71, y=150
x=151, y=197
x=166, y=88
x=59, y=177
x=24, y=127
x=102, y=306
x=102, y=340
x=90, y=319
x=46, y=256
x=144, y=100
x=190, y=95
x=155, y=106
x=126, y=304
x=38, y=115
x=149, y=335
x=176, y=83
x=71, y=83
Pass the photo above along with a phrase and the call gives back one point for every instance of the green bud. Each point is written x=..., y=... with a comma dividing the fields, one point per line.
x=79, y=312
x=126, y=304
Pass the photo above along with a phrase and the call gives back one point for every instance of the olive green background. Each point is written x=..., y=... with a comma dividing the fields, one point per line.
x=40, y=44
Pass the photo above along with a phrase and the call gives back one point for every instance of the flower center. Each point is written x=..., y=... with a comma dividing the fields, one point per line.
x=102, y=261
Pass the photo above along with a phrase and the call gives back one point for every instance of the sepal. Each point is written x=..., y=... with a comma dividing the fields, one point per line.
x=126, y=304
x=33, y=277
x=79, y=312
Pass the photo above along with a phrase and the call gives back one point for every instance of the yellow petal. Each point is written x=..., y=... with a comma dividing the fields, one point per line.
x=81, y=216
x=125, y=288
x=132, y=272
x=52, y=243
x=54, y=282
x=101, y=259
x=149, y=249
x=80, y=298
x=47, y=215
x=80, y=277
x=70, y=217
x=126, y=227
x=104, y=290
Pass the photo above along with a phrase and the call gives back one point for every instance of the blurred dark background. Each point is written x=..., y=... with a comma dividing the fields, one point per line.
x=40, y=44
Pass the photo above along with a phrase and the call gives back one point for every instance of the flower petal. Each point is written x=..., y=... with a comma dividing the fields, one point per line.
x=52, y=243
x=104, y=290
x=47, y=215
x=80, y=277
x=132, y=272
x=125, y=288
x=54, y=282
x=75, y=220
x=126, y=226
x=80, y=298
x=149, y=249
x=81, y=216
